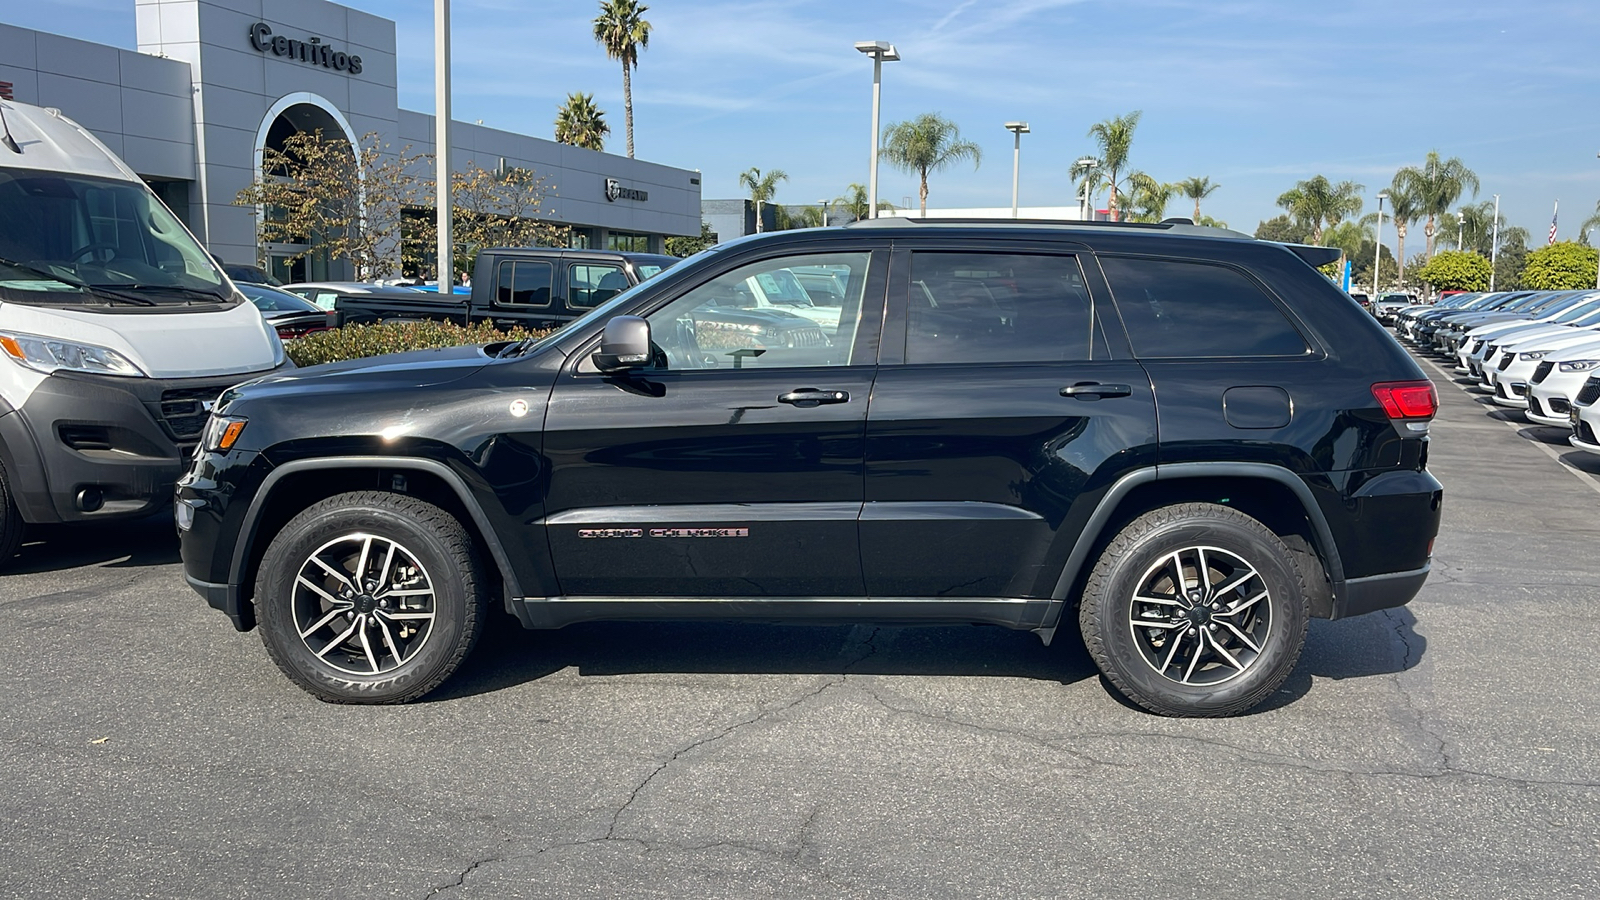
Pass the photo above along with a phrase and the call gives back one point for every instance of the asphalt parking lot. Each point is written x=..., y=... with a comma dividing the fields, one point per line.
x=1445, y=749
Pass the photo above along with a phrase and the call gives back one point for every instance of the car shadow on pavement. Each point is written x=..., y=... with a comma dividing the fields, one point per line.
x=150, y=541
x=1382, y=643
x=508, y=655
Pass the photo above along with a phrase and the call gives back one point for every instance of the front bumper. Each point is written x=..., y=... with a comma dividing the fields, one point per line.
x=93, y=447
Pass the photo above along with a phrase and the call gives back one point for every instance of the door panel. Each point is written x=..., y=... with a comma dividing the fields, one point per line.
x=974, y=467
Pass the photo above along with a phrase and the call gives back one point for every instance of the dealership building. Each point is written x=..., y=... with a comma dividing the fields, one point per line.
x=214, y=84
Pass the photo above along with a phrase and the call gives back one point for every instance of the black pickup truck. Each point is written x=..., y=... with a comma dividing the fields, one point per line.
x=534, y=287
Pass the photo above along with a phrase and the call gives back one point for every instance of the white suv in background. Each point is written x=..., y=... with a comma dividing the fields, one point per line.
x=1512, y=369
x=1555, y=381
x=1584, y=416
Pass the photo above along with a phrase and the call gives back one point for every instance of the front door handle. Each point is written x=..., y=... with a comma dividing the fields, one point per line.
x=1090, y=390
x=807, y=397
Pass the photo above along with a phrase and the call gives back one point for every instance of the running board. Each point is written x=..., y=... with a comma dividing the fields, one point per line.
x=1007, y=612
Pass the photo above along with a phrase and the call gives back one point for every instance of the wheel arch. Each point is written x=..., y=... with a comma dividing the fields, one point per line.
x=292, y=487
x=1273, y=495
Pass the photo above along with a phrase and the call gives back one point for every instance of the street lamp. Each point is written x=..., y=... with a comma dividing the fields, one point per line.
x=1377, y=251
x=1597, y=262
x=1083, y=164
x=1018, y=129
x=824, y=205
x=441, y=143
x=1494, y=242
x=881, y=52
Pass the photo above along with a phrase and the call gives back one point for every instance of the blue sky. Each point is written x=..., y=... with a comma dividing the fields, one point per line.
x=1256, y=95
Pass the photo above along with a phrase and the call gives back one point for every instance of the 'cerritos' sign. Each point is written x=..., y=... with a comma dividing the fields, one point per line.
x=313, y=51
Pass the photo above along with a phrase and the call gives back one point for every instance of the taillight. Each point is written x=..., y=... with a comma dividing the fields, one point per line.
x=1407, y=399
x=290, y=332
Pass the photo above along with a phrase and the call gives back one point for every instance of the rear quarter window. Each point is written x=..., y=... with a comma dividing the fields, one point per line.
x=1185, y=309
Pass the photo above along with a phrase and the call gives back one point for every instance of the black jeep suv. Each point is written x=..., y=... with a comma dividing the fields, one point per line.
x=1184, y=437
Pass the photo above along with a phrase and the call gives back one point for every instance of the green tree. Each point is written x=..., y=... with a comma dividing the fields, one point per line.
x=762, y=187
x=1148, y=198
x=1508, y=262
x=928, y=143
x=623, y=31
x=1114, y=137
x=1197, y=189
x=1562, y=266
x=1284, y=230
x=1591, y=222
x=1361, y=266
x=1437, y=184
x=582, y=124
x=1319, y=204
x=855, y=204
x=1456, y=270
x=1406, y=210
x=498, y=208
x=690, y=245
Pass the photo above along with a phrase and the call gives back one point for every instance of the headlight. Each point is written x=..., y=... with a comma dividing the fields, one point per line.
x=48, y=355
x=1531, y=355
x=1579, y=365
x=221, y=433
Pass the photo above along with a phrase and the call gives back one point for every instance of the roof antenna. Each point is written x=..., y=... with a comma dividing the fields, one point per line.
x=8, y=140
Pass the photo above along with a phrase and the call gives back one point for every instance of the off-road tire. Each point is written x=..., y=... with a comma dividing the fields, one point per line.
x=11, y=524
x=437, y=541
x=1108, y=608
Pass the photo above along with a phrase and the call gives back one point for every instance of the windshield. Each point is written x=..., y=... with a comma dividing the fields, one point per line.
x=62, y=233
x=270, y=299
x=1582, y=310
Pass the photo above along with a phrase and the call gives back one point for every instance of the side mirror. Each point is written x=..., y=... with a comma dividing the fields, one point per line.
x=624, y=345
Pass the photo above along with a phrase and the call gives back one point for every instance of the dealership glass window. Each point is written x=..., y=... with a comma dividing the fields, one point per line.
x=733, y=322
x=523, y=284
x=589, y=285
x=621, y=240
x=997, y=308
x=1184, y=309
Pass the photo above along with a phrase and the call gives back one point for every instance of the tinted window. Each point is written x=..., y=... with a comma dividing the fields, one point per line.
x=731, y=322
x=590, y=284
x=1187, y=309
x=992, y=307
x=523, y=284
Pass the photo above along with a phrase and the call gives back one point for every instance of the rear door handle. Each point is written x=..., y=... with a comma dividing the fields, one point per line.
x=814, y=397
x=1093, y=389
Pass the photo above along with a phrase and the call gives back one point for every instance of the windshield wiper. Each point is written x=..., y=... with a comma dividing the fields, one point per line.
x=94, y=290
x=165, y=288
x=40, y=272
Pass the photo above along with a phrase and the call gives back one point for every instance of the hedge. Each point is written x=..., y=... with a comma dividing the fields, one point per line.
x=360, y=341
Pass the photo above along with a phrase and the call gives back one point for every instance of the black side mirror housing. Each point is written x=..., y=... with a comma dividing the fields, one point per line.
x=624, y=345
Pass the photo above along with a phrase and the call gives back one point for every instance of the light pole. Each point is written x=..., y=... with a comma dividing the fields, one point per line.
x=1083, y=164
x=441, y=141
x=881, y=52
x=1017, y=129
x=1494, y=242
x=1597, y=262
x=824, y=205
x=1377, y=251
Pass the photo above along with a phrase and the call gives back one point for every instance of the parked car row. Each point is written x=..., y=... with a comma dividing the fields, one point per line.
x=1537, y=351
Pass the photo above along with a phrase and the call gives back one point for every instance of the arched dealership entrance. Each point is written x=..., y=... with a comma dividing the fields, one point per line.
x=294, y=114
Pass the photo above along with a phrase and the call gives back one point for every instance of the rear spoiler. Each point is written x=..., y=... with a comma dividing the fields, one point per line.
x=1314, y=256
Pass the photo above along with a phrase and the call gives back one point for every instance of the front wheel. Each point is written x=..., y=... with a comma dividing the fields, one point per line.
x=1195, y=610
x=370, y=597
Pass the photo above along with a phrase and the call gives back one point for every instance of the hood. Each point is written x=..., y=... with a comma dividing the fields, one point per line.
x=165, y=344
x=416, y=369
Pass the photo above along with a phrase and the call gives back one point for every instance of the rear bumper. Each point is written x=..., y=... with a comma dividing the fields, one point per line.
x=1375, y=592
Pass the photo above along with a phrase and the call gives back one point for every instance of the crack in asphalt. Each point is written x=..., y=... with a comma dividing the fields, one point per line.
x=1412, y=656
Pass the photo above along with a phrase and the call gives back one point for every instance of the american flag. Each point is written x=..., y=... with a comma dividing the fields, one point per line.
x=1553, y=223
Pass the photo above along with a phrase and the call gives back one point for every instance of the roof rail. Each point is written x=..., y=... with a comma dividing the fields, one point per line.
x=1170, y=226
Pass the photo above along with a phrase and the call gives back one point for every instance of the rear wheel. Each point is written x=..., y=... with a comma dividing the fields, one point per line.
x=370, y=598
x=10, y=521
x=1195, y=610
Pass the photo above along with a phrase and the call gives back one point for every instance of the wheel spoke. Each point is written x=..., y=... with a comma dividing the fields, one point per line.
x=361, y=566
x=1154, y=623
x=1204, y=571
x=1227, y=613
x=388, y=640
x=324, y=620
x=342, y=576
x=317, y=589
x=1173, y=650
x=340, y=639
x=404, y=616
x=1179, y=584
x=388, y=560
x=1194, y=658
x=1222, y=651
x=414, y=592
x=1234, y=584
x=1245, y=638
x=366, y=646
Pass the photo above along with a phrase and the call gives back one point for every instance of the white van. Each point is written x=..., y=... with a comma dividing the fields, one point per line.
x=117, y=332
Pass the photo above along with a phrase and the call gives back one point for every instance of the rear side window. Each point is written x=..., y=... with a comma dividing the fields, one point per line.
x=523, y=284
x=996, y=308
x=591, y=284
x=1187, y=309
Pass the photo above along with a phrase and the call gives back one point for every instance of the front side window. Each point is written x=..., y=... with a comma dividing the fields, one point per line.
x=733, y=322
x=997, y=308
x=590, y=284
x=1182, y=309
x=523, y=283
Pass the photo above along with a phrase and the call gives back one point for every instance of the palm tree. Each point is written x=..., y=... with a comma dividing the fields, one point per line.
x=622, y=30
x=1407, y=209
x=1148, y=198
x=1115, y=138
x=854, y=202
x=1320, y=204
x=1197, y=189
x=762, y=187
x=928, y=143
x=582, y=124
x=1437, y=185
x=1591, y=222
